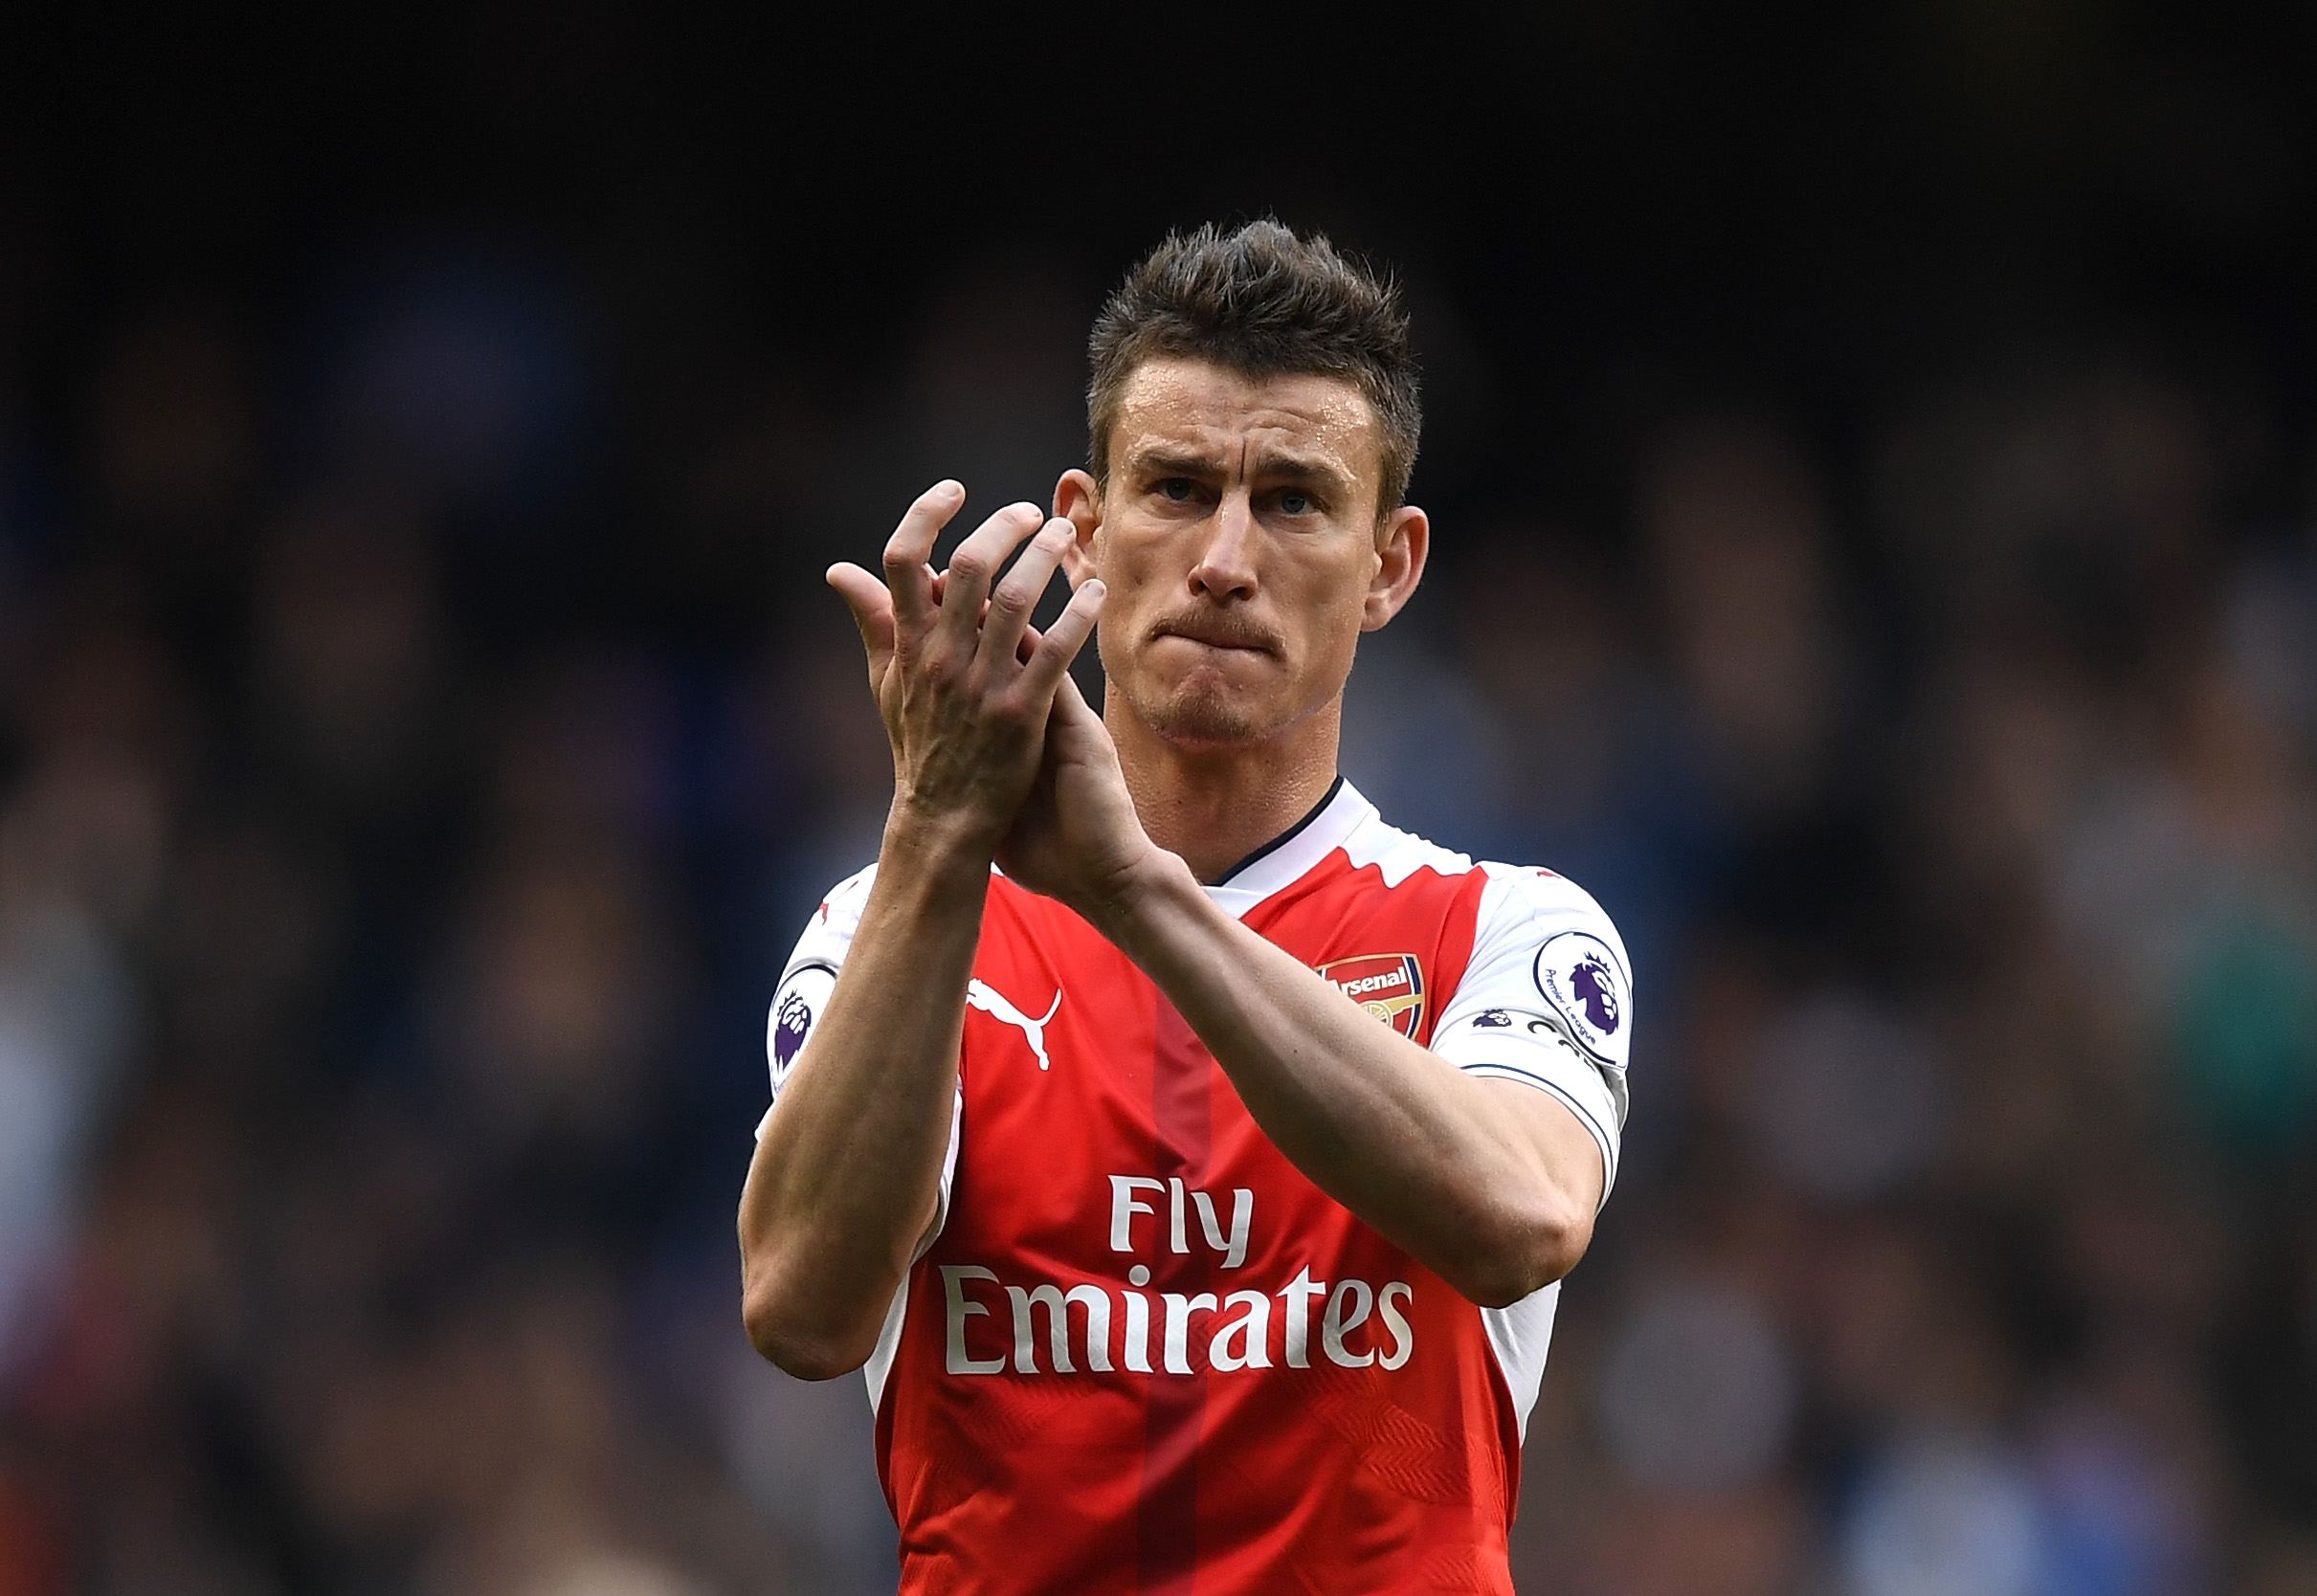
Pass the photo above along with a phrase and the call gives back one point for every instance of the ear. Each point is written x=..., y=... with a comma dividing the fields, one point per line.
x=1401, y=550
x=1079, y=500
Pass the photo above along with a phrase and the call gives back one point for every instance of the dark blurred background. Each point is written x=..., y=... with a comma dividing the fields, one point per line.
x=1874, y=454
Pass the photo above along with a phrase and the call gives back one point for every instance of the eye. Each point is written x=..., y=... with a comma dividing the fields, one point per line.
x=1295, y=502
x=1177, y=488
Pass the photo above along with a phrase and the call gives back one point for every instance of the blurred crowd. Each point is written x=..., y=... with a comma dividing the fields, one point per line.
x=390, y=892
x=1970, y=1239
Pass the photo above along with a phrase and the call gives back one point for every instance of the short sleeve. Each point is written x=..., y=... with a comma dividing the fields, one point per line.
x=802, y=997
x=810, y=975
x=1547, y=1000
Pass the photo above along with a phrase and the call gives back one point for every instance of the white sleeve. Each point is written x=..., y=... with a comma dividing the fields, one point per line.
x=798, y=1004
x=1547, y=1000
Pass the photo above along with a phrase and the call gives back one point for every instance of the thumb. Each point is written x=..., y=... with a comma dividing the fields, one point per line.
x=871, y=608
x=1072, y=715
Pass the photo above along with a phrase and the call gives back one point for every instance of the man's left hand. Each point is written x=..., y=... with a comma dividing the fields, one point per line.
x=1077, y=838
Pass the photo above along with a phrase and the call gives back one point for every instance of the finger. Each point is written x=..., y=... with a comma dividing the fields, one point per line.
x=971, y=569
x=1049, y=668
x=871, y=608
x=1017, y=595
x=1070, y=705
x=909, y=556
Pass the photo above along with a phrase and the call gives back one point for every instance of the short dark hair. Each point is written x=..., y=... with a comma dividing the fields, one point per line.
x=1264, y=302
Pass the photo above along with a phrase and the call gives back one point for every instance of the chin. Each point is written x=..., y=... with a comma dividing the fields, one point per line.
x=1205, y=714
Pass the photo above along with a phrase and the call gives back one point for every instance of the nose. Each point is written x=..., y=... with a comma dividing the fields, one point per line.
x=1225, y=569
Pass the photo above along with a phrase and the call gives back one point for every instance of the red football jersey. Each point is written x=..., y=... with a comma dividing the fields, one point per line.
x=1143, y=1353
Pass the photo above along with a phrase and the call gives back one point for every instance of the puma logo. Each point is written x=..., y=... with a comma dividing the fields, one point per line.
x=995, y=1004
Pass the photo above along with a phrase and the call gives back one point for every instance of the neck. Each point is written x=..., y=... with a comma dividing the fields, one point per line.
x=1215, y=806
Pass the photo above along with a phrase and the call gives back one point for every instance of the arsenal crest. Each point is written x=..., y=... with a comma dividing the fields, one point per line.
x=1390, y=986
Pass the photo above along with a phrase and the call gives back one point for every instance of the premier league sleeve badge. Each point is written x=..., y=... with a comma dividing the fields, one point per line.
x=1585, y=981
x=794, y=1008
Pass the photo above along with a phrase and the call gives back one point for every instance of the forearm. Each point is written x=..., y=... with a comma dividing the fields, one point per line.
x=1474, y=1180
x=846, y=1179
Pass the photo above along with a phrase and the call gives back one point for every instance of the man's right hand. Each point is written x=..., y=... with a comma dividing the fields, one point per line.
x=846, y=1181
x=964, y=701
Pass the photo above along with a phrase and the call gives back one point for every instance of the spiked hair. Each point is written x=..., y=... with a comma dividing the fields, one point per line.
x=1264, y=301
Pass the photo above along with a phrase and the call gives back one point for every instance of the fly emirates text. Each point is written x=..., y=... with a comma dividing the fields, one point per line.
x=1358, y=1323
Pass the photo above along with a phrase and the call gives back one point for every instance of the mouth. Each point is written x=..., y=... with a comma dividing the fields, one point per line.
x=1213, y=634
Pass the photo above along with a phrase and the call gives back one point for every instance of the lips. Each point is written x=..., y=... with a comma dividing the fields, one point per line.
x=1216, y=634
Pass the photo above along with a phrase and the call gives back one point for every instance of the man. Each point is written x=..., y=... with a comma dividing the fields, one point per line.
x=1170, y=1263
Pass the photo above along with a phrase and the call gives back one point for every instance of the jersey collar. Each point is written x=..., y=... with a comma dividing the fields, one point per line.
x=1288, y=857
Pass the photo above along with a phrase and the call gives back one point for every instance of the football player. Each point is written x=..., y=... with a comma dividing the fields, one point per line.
x=1189, y=1157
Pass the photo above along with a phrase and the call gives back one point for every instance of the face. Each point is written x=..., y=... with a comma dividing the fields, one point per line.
x=1239, y=543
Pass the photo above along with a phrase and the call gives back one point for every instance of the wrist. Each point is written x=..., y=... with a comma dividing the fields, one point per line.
x=1132, y=899
x=937, y=848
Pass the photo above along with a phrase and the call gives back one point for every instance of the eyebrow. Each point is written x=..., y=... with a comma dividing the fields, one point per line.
x=1270, y=466
x=1172, y=463
x=1301, y=469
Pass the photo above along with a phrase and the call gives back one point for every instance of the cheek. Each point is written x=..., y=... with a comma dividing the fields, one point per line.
x=1124, y=561
x=1333, y=595
x=1323, y=633
x=1332, y=647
